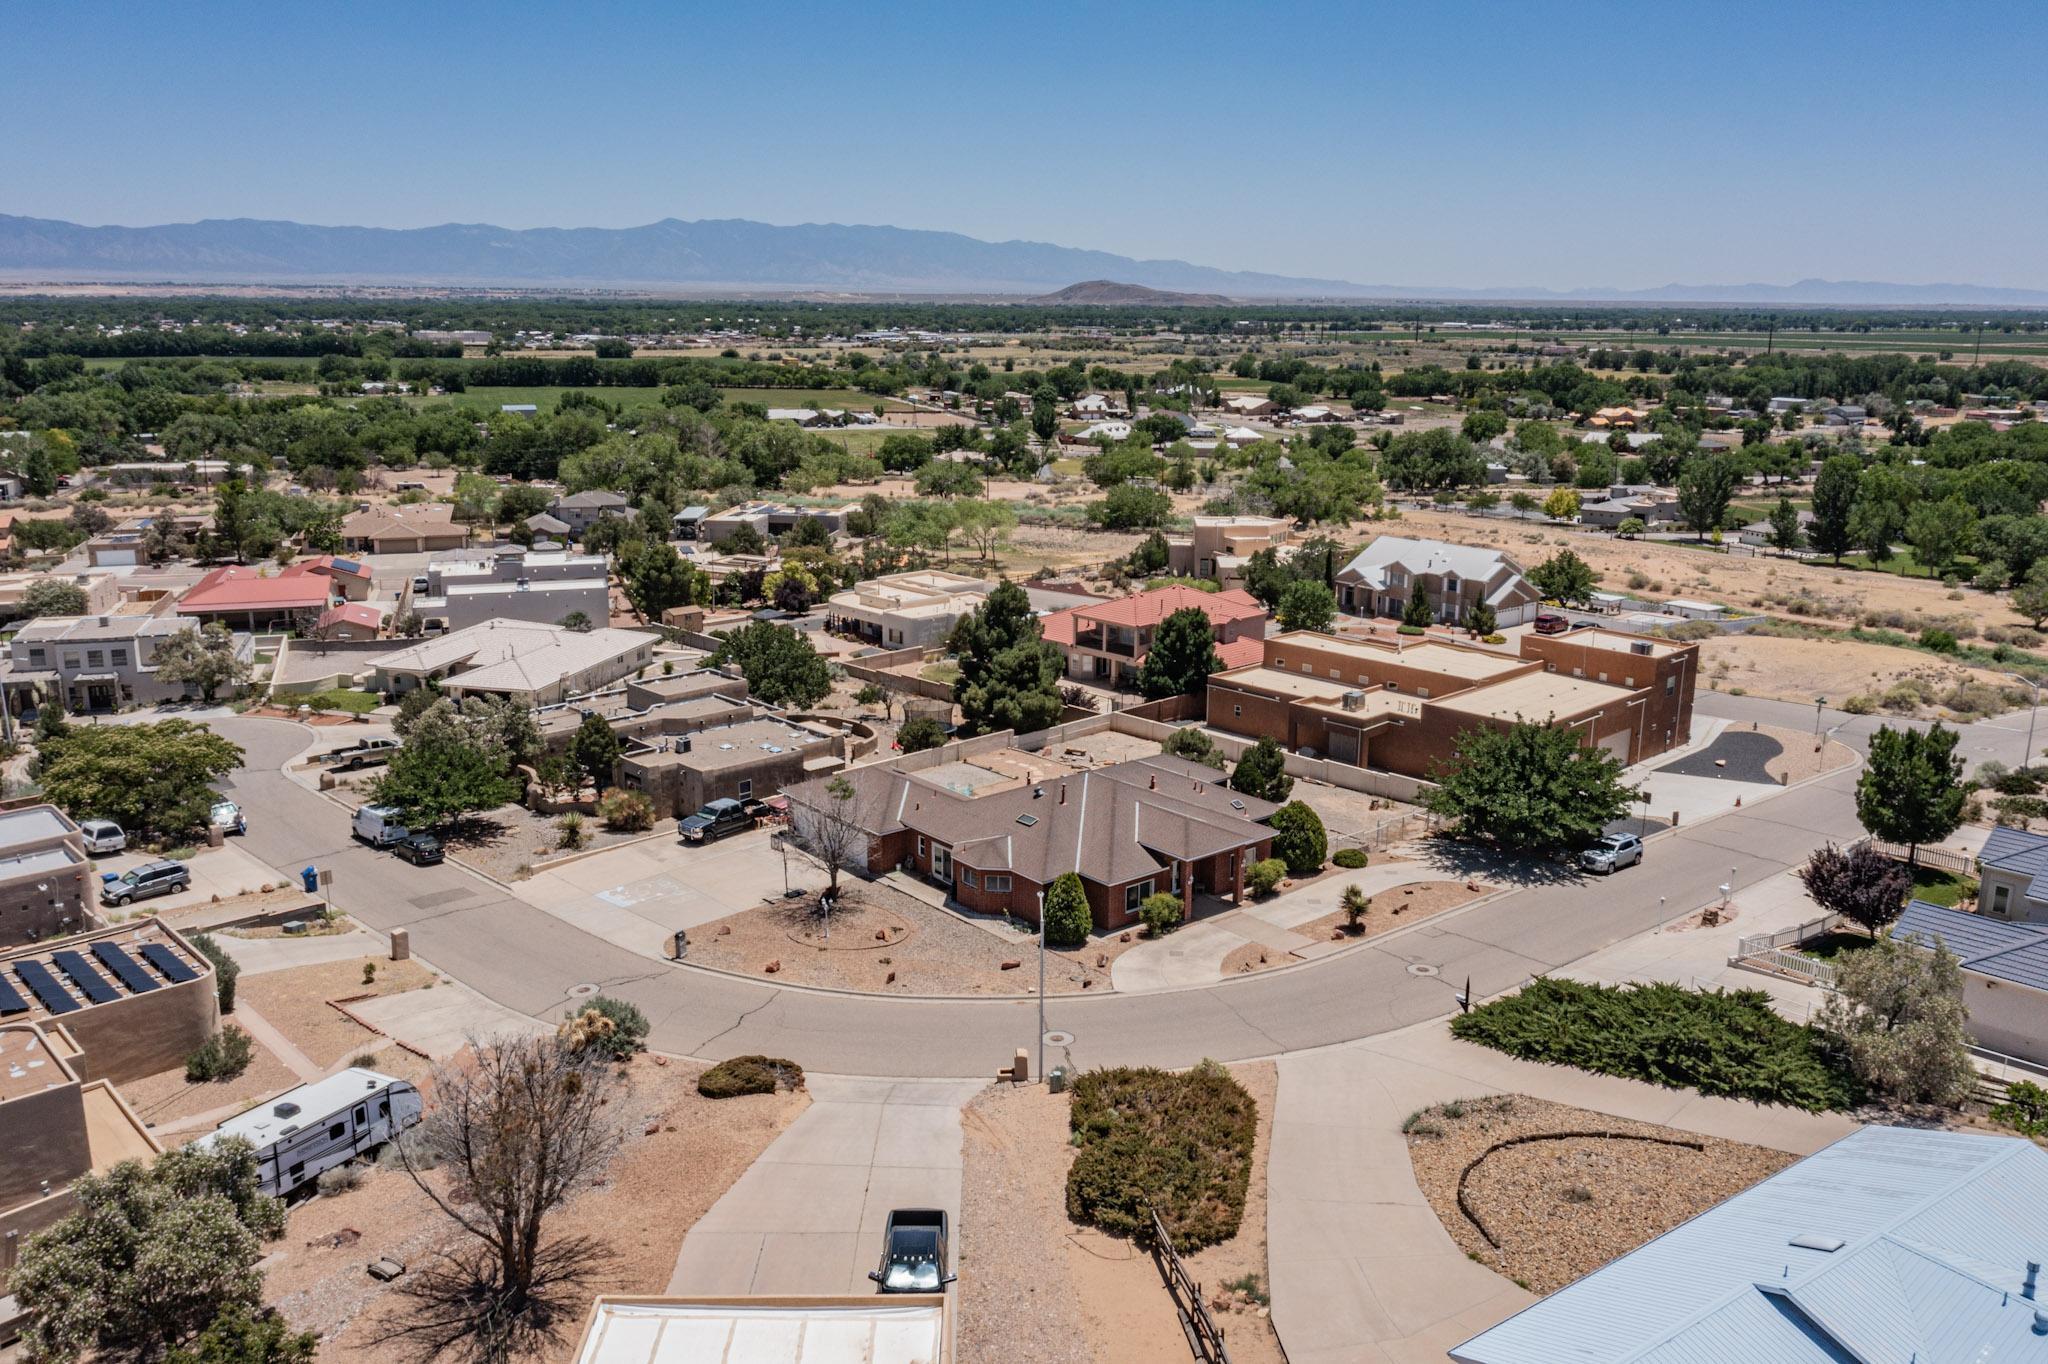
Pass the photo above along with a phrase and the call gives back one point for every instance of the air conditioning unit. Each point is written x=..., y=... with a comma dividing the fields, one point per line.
x=1640, y=646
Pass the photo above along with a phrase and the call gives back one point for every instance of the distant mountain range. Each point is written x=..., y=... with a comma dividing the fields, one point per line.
x=734, y=255
x=1108, y=292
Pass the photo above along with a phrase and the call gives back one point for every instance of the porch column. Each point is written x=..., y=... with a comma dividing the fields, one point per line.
x=1187, y=891
x=1237, y=890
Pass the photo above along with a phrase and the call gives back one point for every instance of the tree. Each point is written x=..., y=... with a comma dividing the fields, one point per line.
x=656, y=578
x=1704, y=487
x=242, y=1336
x=207, y=658
x=1562, y=505
x=1261, y=771
x=1564, y=577
x=1897, y=1014
x=1068, y=919
x=1151, y=556
x=1299, y=839
x=2030, y=598
x=1191, y=743
x=1160, y=913
x=154, y=1255
x=439, y=775
x=576, y=622
x=782, y=668
x=743, y=539
x=920, y=732
x=521, y=1126
x=152, y=778
x=595, y=749
x=824, y=822
x=1530, y=787
x=1862, y=884
x=1128, y=507
x=1911, y=790
x=1482, y=619
x=1785, y=532
x=1355, y=903
x=1182, y=656
x=1630, y=527
x=1009, y=676
x=1941, y=531
x=53, y=597
x=1418, y=613
x=948, y=478
x=1834, y=502
x=38, y=473
x=1307, y=606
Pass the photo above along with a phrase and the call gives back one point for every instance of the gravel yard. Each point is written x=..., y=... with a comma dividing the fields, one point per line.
x=511, y=842
x=294, y=1001
x=921, y=950
x=1399, y=907
x=1036, y=1286
x=167, y=1097
x=1562, y=1207
x=680, y=1153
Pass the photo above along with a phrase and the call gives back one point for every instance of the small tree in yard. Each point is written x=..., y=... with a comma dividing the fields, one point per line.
x=148, y=777
x=204, y=658
x=1298, y=839
x=1068, y=918
x=53, y=597
x=595, y=749
x=1191, y=743
x=824, y=822
x=1482, y=619
x=1161, y=913
x=1307, y=605
x=1911, y=790
x=627, y=811
x=1564, y=577
x=1898, y=1017
x=920, y=732
x=2030, y=598
x=1529, y=788
x=1862, y=884
x=1355, y=904
x=242, y=1336
x=154, y=1254
x=1182, y=656
x=1417, y=614
x=439, y=776
x=1262, y=877
x=1562, y=505
x=1262, y=771
x=522, y=1126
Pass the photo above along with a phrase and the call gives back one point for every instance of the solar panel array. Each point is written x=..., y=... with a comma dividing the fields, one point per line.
x=52, y=996
x=90, y=983
x=124, y=968
x=50, y=991
x=11, y=1001
x=166, y=961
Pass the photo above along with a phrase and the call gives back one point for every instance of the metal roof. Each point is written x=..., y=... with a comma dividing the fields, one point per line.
x=2015, y=952
x=1935, y=1232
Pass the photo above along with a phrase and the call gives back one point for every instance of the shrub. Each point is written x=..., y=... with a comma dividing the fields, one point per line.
x=626, y=811
x=225, y=969
x=1495, y=639
x=1351, y=859
x=1355, y=903
x=1860, y=704
x=611, y=1027
x=222, y=1056
x=2025, y=1109
x=868, y=695
x=1262, y=877
x=1067, y=915
x=919, y=733
x=749, y=1075
x=1150, y=1139
x=1298, y=838
x=1720, y=1042
x=570, y=830
x=1940, y=641
x=340, y=1180
x=1161, y=913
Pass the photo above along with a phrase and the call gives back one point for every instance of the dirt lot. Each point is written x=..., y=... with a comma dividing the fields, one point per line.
x=660, y=1183
x=166, y=1100
x=1562, y=1208
x=512, y=842
x=925, y=950
x=1045, y=1289
x=294, y=1001
x=1801, y=669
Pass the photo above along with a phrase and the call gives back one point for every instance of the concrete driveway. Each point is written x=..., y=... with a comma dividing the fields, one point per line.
x=808, y=1215
x=225, y=871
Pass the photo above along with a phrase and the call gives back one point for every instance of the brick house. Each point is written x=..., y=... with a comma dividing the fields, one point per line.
x=1106, y=641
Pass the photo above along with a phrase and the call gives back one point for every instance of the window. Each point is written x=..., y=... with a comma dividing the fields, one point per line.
x=746, y=789
x=1334, y=674
x=95, y=658
x=969, y=878
x=337, y=1131
x=71, y=661
x=298, y=1171
x=120, y=658
x=1422, y=692
x=37, y=657
x=1279, y=662
x=1670, y=685
x=1134, y=895
x=1309, y=668
x=998, y=885
x=1603, y=677
x=1626, y=681
x=1237, y=710
x=362, y=1114
x=1393, y=685
x=1451, y=584
x=2000, y=898
x=920, y=845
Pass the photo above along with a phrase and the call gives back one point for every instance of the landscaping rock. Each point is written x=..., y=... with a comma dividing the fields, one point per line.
x=772, y=967
x=1012, y=964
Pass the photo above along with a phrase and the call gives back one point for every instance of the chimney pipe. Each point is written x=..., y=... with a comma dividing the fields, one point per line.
x=2033, y=1273
x=1063, y=793
x=1154, y=786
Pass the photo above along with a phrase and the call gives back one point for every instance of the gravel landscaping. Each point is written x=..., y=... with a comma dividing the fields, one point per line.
x=294, y=1001
x=511, y=842
x=1578, y=1188
x=886, y=942
x=167, y=1098
x=1390, y=909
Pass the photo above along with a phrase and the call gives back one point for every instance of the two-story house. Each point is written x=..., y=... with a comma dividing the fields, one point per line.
x=1106, y=642
x=96, y=663
x=1216, y=547
x=1454, y=578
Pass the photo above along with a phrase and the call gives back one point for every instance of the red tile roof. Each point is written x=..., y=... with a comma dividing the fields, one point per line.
x=245, y=588
x=355, y=613
x=1246, y=652
x=1150, y=608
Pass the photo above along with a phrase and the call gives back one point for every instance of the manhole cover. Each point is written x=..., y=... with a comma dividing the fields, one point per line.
x=1059, y=1039
x=1421, y=968
x=579, y=991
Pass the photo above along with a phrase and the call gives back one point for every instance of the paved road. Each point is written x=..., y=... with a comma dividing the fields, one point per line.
x=529, y=961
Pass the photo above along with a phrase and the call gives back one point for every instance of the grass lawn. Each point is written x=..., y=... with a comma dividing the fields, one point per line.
x=1905, y=565
x=546, y=398
x=1944, y=888
x=1828, y=946
x=940, y=672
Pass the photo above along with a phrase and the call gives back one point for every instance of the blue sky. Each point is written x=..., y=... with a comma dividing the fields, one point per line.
x=1550, y=144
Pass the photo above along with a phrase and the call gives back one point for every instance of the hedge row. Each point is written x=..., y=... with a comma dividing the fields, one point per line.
x=1181, y=1143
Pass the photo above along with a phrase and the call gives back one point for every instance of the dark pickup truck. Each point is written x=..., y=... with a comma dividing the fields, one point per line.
x=716, y=820
x=914, y=1252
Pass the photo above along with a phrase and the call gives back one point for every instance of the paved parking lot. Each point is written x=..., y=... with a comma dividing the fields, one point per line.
x=224, y=871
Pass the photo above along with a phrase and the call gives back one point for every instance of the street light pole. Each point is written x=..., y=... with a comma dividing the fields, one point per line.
x=1041, y=985
x=2027, y=758
x=1819, y=705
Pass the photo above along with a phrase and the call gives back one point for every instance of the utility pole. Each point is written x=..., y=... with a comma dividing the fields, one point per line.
x=2027, y=759
x=1041, y=985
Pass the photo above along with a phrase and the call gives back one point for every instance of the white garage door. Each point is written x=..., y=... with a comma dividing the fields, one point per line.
x=1618, y=745
x=115, y=558
x=1517, y=615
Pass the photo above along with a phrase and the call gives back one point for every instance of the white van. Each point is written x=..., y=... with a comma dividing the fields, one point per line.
x=378, y=826
x=324, y=1124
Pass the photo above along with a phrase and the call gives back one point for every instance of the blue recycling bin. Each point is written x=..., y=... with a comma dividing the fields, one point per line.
x=311, y=880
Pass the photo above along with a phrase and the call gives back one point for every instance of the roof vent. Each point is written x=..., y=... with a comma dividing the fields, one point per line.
x=286, y=1110
x=2033, y=1274
x=1826, y=1244
x=1027, y=820
x=1237, y=805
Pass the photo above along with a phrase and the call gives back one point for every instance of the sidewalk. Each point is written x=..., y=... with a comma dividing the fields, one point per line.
x=1362, y=1270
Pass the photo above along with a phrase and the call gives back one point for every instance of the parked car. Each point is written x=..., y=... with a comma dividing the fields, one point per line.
x=1550, y=623
x=422, y=850
x=378, y=826
x=368, y=753
x=227, y=817
x=102, y=836
x=914, y=1252
x=715, y=821
x=1612, y=853
x=140, y=883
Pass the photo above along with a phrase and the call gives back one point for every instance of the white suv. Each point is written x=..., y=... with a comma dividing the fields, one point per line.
x=102, y=836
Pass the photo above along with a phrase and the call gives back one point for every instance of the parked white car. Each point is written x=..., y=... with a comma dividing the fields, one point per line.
x=103, y=836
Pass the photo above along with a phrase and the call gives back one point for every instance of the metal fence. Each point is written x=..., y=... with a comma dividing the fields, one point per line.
x=1941, y=859
x=1205, y=1337
x=1383, y=835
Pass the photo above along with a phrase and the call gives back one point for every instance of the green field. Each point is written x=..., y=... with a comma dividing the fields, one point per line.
x=1922, y=342
x=547, y=398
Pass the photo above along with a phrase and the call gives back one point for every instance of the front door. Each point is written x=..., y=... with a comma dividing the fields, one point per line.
x=1343, y=745
x=942, y=864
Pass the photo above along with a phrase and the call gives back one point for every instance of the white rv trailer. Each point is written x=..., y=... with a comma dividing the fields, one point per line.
x=324, y=1124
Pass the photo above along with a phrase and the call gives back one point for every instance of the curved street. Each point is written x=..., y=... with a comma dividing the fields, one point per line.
x=529, y=960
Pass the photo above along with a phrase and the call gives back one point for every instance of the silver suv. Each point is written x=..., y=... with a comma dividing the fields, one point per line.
x=1612, y=853
x=151, y=878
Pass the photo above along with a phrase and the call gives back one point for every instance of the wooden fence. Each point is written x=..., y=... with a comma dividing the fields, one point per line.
x=1205, y=1337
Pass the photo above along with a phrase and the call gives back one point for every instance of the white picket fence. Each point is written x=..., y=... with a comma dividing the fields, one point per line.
x=1810, y=969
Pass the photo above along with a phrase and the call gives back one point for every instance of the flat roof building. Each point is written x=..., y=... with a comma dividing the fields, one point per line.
x=533, y=663
x=907, y=610
x=136, y=997
x=714, y=749
x=544, y=586
x=899, y=1328
x=46, y=879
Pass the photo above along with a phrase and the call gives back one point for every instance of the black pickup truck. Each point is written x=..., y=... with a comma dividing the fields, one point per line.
x=914, y=1252
x=716, y=820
